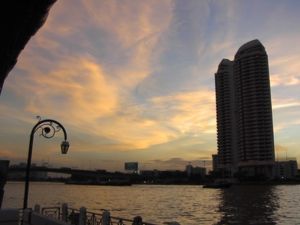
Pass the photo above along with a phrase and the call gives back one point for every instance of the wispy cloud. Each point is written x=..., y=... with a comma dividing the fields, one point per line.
x=285, y=103
x=137, y=79
x=97, y=97
x=188, y=112
x=284, y=60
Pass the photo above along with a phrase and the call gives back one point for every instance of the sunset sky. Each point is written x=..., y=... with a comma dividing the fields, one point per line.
x=133, y=80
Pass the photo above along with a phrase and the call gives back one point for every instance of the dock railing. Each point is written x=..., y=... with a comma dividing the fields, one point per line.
x=65, y=215
x=83, y=217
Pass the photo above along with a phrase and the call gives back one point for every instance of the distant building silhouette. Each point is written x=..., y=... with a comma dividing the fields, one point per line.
x=244, y=113
x=286, y=169
x=195, y=170
x=131, y=167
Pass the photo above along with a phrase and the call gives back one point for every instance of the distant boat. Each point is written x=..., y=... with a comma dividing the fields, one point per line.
x=222, y=184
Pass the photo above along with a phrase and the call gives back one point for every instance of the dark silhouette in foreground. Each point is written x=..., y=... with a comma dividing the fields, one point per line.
x=19, y=21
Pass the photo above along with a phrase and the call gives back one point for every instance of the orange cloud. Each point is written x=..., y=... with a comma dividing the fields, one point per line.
x=96, y=99
x=89, y=96
x=188, y=112
x=75, y=86
x=280, y=148
x=7, y=154
x=82, y=95
x=284, y=62
x=284, y=103
x=284, y=80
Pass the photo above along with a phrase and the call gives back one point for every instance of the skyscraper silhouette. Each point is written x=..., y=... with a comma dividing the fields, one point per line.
x=244, y=113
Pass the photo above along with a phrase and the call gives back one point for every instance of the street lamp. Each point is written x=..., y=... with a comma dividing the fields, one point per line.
x=47, y=128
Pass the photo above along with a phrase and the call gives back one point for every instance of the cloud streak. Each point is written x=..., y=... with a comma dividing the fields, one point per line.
x=137, y=80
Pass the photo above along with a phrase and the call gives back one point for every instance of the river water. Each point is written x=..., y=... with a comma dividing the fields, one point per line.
x=188, y=205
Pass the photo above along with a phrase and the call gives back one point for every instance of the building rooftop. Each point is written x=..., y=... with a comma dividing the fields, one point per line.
x=250, y=45
x=225, y=62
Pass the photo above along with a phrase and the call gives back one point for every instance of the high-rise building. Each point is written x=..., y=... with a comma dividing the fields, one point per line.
x=226, y=118
x=244, y=112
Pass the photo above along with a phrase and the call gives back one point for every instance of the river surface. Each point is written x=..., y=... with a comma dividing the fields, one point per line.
x=188, y=205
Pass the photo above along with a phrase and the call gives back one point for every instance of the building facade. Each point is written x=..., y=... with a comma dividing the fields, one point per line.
x=244, y=113
x=226, y=118
x=215, y=162
x=197, y=170
x=286, y=169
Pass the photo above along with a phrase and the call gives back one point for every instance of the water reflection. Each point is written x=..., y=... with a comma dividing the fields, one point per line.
x=249, y=205
x=188, y=205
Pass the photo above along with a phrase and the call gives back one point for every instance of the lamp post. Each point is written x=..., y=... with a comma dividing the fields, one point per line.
x=48, y=129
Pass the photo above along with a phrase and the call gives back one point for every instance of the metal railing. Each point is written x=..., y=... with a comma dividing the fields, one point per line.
x=82, y=217
x=97, y=219
x=53, y=212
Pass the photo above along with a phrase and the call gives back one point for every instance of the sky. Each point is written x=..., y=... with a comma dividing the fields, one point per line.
x=133, y=80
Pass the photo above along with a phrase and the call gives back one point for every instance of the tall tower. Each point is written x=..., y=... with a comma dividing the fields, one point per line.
x=255, y=123
x=244, y=112
x=226, y=118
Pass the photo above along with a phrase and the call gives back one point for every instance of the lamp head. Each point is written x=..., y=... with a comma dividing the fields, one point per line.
x=64, y=147
x=47, y=130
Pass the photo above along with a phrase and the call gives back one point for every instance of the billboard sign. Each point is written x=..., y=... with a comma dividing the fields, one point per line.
x=132, y=166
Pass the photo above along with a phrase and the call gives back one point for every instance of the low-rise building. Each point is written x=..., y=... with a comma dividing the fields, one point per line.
x=190, y=170
x=285, y=169
x=20, y=175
